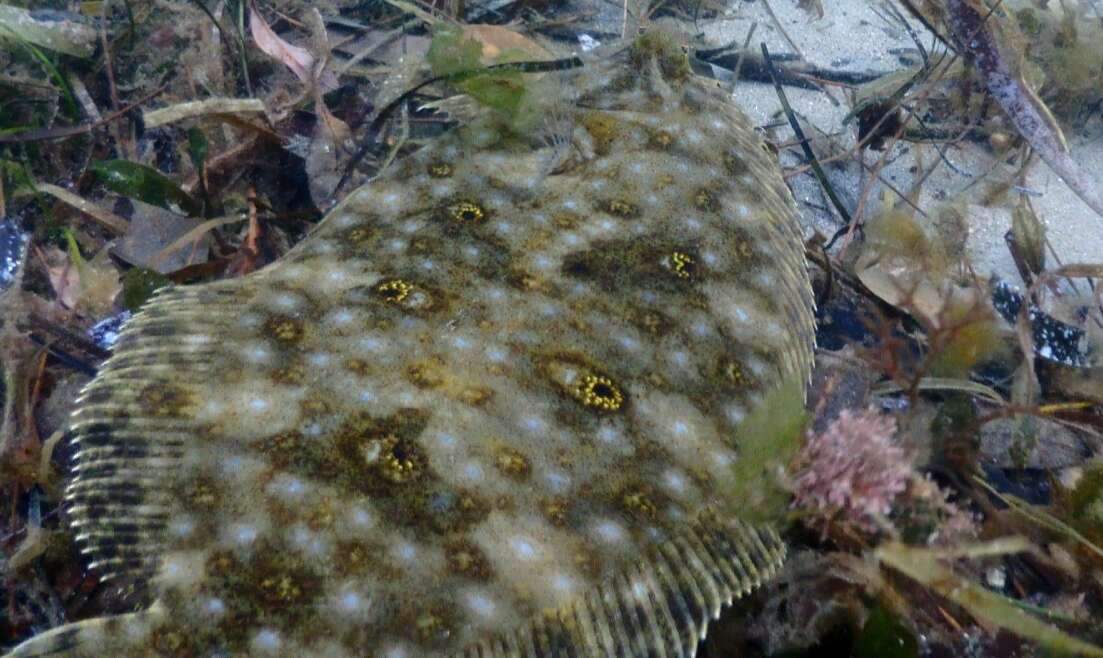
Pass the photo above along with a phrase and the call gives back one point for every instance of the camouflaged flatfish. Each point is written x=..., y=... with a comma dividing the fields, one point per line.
x=487, y=408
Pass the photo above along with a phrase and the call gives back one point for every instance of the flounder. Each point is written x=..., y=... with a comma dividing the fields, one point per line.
x=487, y=408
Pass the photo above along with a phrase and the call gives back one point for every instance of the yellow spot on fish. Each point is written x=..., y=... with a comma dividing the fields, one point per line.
x=359, y=236
x=556, y=511
x=284, y=329
x=394, y=290
x=358, y=367
x=466, y=559
x=705, y=201
x=290, y=376
x=735, y=375
x=661, y=139
x=511, y=462
x=599, y=391
x=638, y=501
x=466, y=212
x=440, y=170
x=682, y=264
x=396, y=460
x=621, y=208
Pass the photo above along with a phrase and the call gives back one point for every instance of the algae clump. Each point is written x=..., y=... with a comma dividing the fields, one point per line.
x=768, y=442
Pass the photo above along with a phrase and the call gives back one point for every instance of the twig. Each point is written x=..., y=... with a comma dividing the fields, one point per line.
x=113, y=90
x=58, y=132
x=816, y=168
x=777, y=24
x=742, y=55
x=79, y=341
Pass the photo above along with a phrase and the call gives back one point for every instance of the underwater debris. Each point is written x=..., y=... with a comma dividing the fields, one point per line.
x=975, y=29
x=105, y=333
x=1053, y=340
x=13, y=249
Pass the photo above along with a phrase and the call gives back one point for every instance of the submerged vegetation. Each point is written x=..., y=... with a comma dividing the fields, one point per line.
x=940, y=486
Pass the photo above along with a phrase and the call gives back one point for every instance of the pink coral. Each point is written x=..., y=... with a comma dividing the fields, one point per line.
x=853, y=469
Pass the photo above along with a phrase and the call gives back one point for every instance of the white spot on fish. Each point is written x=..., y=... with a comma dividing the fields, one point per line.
x=351, y=602
x=243, y=534
x=675, y=481
x=472, y=471
x=266, y=640
x=405, y=551
x=523, y=547
x=557, y=481
x=481, y=604
x=360, y=517
x=609, y=532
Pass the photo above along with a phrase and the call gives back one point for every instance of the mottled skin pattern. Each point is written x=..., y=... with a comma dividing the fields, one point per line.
x=489, y=406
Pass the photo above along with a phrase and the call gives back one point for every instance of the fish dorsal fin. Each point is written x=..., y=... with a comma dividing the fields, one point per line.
x=90, y=638
x=660, y=607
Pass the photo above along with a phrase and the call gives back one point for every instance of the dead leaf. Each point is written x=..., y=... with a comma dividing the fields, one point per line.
x=151, y=230
x=905, y=285
x=329, y=127
x=85, y=287
x=64, y=278
x=300, y=60
x=496, y=40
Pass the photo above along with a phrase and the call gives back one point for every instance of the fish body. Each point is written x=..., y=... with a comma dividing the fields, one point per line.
x=487, y=408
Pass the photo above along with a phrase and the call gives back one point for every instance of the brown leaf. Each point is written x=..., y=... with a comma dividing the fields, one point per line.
x=496, y=39
x=296, y=58
x=87, y=287
x=64, y=278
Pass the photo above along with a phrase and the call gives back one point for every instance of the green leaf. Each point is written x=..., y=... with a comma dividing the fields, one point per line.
x=73, y=249
x=197, y=148
x=885, y=636
x=48, y=64
x=991, y=609
x=197, y=151
x=139, y=284
x=144, y=184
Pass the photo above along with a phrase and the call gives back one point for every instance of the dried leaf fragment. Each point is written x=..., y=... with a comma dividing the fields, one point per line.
x=190, y=109
x=299, y=60
x=497, y=40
